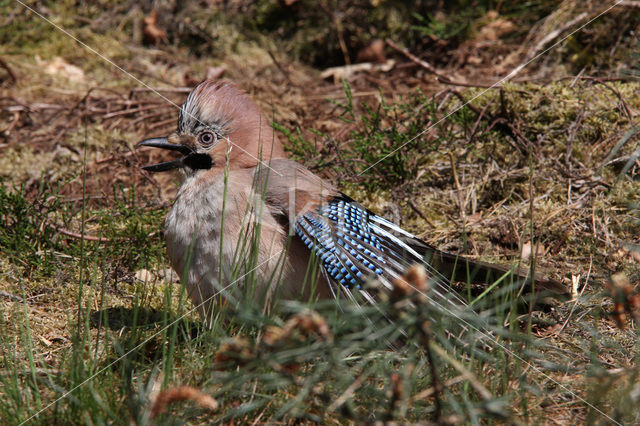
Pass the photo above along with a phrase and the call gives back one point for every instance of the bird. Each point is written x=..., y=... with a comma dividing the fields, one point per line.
x=244, y=209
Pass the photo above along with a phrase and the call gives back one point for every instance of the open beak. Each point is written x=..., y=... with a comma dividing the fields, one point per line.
x=191, y=159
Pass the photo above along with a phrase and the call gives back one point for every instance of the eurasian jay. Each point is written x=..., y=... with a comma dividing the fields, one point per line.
x=242, y=202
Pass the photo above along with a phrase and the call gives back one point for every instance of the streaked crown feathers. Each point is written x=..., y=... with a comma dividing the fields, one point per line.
x=230, y=112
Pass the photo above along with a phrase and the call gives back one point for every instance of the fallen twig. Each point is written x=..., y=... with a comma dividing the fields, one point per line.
x=279, y=66
x=4, y=65
x=413, y=58
x=162, y=89
x=79, y=236
x=134, y=110
x=427, y=66
x=548, y=39
x=32, y=107
x=577, y=299
x=162, y=123
x=419, y=212
x=11, y=296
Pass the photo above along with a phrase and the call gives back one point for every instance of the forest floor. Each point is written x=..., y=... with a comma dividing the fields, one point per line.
x=497, y=132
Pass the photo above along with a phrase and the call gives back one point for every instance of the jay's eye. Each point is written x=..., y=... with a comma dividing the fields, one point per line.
x=206, y=139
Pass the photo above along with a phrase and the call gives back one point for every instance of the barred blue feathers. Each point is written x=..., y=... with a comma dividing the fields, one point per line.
x=354, y=245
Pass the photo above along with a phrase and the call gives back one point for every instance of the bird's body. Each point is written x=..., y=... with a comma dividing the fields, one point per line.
x=245, y=210
x=217, y=239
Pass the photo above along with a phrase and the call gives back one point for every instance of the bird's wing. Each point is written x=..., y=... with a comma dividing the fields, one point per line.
x=353, y=244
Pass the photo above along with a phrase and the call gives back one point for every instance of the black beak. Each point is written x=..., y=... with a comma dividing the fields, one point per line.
x=191, y=159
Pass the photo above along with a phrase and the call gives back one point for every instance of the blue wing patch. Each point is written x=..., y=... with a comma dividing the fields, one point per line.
x=353, y=245
x=349, y=242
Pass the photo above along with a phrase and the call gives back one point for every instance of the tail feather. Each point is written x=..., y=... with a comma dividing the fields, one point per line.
x=462, y=269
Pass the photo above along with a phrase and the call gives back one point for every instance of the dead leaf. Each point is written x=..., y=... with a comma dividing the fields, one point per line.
x=575, y=284
x=527, y=250
x=298, y=328
x=152, y=34
x=237, y=349
x=59, y=67
x=189, y=80
x=347, y=71
x=145, y=276
x=373, y=52
x=632, y=252
x=214, y=73
x=496, y=28
x=46, y=341
x=474, y=219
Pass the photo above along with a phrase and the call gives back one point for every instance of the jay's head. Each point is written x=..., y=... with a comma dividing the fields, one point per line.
x=217, y=122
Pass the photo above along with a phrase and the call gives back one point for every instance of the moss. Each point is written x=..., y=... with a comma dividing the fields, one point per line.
x=21, y=164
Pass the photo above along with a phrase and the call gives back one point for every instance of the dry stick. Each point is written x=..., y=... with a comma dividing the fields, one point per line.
x=11, y=296
x=330, y=96
x=503, y=122
x=279, y=66
x=164, y=89
x=16, y=118
x=456, y=181
x=474, y=129
x=32, y=107
x=516, y=131
x=413, y=58
x=427, y=66
x=573, y=131
x=534, y=246
x=134, y=110
x=4, y=65
x=348, y=392
x=548, y=39
x=618, y=160
x=119, y=155
x=162, y=123
x=577, y=77
x=419, y=212
x=339, y=29
x=114, y=124
x=463, y=84
x=79, y=236
x=445, y=94
x=64, y=131
x=464, y=101
x=147, y=117
x=88, y=94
